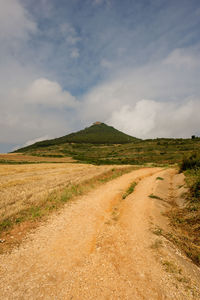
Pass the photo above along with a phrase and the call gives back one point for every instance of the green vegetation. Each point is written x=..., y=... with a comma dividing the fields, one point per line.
x=130, y=190
x=171, y=267
x=187, y=220
x=115, y=214
x=189, y=162
x=154, y=197
x=11, y=162
x=100, y=144
x=139, y=152
x=157, y=244
x=158, y=231
x=24, y=162
x=99, y=133
x=159, y=178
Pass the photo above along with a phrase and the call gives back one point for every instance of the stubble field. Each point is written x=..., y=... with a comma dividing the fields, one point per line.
x=23, y=186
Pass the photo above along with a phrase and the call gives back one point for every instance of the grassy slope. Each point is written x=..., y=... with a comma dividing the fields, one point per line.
x=159, y=151
x=103, y=144
x=95, y=134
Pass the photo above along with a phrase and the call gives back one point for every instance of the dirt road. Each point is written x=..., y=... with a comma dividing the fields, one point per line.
x=103, y=247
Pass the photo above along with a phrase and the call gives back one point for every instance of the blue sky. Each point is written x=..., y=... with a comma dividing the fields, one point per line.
x=65, y=64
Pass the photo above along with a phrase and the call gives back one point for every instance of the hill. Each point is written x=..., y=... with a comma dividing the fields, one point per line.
x=102, y=144
x=98, y=133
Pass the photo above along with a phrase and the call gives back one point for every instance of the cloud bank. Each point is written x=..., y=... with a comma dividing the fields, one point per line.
x=151, y=119
x=135, y=67
x=158, y=100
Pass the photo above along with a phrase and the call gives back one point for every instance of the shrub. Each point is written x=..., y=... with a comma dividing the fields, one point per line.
x=190, y=162
x=194, y=184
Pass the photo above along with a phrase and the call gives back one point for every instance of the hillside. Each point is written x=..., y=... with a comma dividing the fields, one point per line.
x=101, y=144
x=98, y=133
x=157, y=151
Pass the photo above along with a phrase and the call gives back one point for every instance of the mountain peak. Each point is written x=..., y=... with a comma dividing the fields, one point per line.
x=97, y=123
x=97, y=133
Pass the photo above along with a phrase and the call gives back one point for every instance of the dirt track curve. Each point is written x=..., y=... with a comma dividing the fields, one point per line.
x=103, y=247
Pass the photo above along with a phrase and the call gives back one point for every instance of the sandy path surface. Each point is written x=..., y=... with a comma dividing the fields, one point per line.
x=102, y=247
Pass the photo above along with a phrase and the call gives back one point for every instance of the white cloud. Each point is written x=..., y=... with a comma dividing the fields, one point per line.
x=159, y=99
x=31, y=142
x=138, y=120
x=17, y=27
x=31, y=105
x=48, y=93
x=183, y=58
x=15, y=22
x=151, y=119
x=39, y=139
x=38, y=109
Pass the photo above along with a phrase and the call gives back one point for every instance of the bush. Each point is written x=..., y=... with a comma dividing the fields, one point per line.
x=190, y=162
x=194, y=184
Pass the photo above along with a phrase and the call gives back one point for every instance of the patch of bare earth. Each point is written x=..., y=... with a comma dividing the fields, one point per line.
x=104, y=247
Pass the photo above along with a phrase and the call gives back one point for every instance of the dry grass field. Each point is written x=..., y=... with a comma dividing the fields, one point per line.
x=23, y=186
x=19, y=157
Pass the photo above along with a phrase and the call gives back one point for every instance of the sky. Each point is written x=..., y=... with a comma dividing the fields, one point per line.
x=132, y=64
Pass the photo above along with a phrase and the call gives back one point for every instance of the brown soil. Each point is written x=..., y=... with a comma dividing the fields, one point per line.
x=103, y=247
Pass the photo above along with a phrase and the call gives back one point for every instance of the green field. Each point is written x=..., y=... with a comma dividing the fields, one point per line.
x=158, y=151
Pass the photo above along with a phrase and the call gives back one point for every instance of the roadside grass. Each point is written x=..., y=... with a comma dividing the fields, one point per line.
x=11, y=162
x=190, y=161
x=115, y=214
x=155, y=197
x=157, y=244
x=170, y=267
x=130, y=190
x=186, y=221
x=189, y=244
x=27, y=162
x=159, y=178
x=57, y=199
x=186, y=230
x=158, y=231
